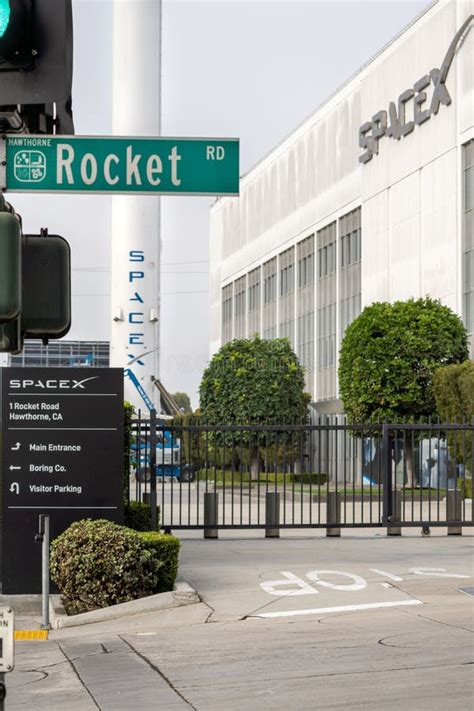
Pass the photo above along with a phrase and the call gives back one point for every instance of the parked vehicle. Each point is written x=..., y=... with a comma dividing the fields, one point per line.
x=168, y=459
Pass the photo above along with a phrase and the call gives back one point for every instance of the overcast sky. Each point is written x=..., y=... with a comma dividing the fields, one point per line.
x=249, y=69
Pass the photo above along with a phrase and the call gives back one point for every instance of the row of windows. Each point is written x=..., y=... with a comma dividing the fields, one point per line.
x=347, y=297
x=63, y=353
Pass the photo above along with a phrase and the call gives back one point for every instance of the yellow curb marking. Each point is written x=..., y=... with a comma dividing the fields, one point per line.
x=23, y=635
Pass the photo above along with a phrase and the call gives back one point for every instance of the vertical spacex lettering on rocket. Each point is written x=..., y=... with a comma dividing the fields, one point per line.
x=135, y=315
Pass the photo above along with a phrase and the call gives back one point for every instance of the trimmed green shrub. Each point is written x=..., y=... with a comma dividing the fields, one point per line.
x=454, y=393
x=313, y=478
x=99, y=563
x=166, y=548
x=465, y=487
x=137, y=515
x=389, y=355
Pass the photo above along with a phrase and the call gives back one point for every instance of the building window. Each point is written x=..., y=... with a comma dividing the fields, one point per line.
x=287, y=280
x=63, y=354
x=269, y=289
x=327, y=259
x=326, y=313
x=350, y=273
x=287, y=295
x=227, y=313
x=240, y=287
x=305, y=308
x=269, y=310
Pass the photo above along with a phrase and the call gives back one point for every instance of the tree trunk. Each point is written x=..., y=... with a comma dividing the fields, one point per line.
x=254, y=464
x=409, y=463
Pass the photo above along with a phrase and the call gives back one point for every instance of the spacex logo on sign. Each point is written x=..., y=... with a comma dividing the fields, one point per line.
x=393, y=123
x=51, y=384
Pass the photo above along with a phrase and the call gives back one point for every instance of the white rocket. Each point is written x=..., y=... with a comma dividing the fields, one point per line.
x=135, y=223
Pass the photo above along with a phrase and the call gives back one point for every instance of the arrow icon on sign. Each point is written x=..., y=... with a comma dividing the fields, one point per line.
x=16, y=447
x=15, y=488
x=12, y=468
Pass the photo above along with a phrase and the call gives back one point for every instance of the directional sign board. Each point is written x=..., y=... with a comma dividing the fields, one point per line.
x=109, y=164
x=62, y=455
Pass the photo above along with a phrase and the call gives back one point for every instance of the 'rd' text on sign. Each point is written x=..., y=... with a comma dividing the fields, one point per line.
x=157, y=166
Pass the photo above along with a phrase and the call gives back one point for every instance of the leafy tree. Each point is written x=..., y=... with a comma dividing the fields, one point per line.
x=454, y=393
x=253, y=381
x=183, y=401
x=388, y=358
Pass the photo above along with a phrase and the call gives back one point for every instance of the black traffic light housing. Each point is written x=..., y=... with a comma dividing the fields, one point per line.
x=46, y=282
x=10, y=267
x=36, y=66
x=35, y=285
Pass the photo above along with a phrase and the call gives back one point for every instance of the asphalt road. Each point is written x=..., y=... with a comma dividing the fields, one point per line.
x=296, y=623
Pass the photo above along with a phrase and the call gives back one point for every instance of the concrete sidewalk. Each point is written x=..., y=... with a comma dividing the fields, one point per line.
x=215, y=655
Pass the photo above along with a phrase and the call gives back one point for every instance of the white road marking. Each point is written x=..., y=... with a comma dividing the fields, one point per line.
x=386, y=585
x=384, y=574
x=339, y=608
x=290, y=579
x=358, y=584
x=437, y=573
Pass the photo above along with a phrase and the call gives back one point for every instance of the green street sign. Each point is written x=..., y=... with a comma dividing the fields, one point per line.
x=121, y=165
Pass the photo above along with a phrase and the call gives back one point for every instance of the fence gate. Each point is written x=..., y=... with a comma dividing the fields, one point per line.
x=327, y=475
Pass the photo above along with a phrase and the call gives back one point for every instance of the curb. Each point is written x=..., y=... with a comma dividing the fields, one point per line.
x=182, y=594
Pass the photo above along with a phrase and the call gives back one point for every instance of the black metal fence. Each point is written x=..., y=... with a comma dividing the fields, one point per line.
x=328, y=474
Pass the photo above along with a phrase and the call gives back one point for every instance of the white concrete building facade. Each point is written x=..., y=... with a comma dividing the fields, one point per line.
x=369, y=199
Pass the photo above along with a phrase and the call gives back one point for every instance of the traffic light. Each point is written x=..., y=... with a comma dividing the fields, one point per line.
x=35, y=285
x=17, y=50
x=10, y=267
x=36, y=66
x=46, y=280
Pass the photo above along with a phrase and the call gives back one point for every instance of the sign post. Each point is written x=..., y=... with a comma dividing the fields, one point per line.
x=62, y=456
x=121, y=165
x=7, y=648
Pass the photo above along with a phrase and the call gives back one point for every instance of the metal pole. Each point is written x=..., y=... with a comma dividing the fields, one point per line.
x=211, y=504
x=453, y=512
x=333, y=508
x=394, y=528
x=45, y=573
x=272, y=514
x=153, y=469
x=386, y=476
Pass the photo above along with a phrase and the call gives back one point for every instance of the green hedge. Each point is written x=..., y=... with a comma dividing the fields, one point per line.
x=454, y=392
x=245, y=477
x=99, y=563
x=313, y=478
x=465, y=486
x=166, y=548
x=137, y=515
